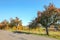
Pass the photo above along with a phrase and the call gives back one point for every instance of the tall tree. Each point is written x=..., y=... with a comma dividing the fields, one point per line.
x=15, y=22
x=49, y=16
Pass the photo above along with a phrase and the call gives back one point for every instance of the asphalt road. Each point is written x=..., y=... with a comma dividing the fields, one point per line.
x=4, y=35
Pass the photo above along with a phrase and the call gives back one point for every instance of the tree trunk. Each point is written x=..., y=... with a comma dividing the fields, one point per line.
x=47, y=31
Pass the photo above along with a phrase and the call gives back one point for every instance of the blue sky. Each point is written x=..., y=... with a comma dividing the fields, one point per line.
x=26, y=10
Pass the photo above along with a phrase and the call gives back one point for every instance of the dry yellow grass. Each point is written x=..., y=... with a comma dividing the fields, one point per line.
x=54, y=34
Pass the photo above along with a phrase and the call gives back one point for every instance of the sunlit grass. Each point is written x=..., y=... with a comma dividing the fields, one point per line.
x=55, y=34
x=39, y=31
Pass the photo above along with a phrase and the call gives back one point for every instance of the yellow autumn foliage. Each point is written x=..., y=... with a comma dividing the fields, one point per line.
x=14, y=28
x=19, y=28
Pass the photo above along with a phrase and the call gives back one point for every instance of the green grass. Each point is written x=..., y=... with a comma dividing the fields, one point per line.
x=41, y=32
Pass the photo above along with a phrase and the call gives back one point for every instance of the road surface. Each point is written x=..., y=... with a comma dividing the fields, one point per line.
x=4, y=35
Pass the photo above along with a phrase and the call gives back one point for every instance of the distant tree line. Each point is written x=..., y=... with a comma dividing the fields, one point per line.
x=13, y=22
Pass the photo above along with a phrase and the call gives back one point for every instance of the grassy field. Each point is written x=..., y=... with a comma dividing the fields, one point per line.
x=41, y=32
